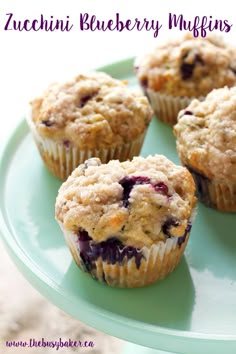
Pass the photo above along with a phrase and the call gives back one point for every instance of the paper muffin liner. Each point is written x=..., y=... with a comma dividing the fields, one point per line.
x=214, y=194
x=61, y=157
x=153, y=264
x=167, y=107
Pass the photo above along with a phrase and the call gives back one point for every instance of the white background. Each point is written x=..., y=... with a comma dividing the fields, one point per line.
x=31, y=60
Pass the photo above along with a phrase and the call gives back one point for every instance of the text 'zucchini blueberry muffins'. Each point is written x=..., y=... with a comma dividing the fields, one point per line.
x=182, y=69
x=127, y=223
x=206, y=143
x=92, y=115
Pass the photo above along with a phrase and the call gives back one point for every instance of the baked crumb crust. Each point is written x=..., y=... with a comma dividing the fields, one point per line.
x=92, y=199
x=206, y=135
x=188, y=66
x=91, y=111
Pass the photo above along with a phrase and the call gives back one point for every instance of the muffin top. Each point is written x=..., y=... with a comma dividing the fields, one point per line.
x=188, y=66
x=91, y=111
x=139, y=202
x=206, y=135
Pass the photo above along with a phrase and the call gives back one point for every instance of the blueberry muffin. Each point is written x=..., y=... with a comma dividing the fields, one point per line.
x=92, y=115
x=127, y=223
x=182, y=69
x=206, y=143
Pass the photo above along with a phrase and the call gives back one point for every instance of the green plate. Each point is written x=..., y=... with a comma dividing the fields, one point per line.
x=191, y=311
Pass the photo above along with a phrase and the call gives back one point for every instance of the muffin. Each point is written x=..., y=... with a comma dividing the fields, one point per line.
x=127, y=223
x=92, y=115
x=206, y=143
x=182, y=69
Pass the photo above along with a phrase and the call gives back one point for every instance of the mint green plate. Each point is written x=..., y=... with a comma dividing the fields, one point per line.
x=192, y=311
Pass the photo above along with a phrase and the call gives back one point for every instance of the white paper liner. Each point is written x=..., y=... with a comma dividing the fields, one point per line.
x=159, y=260
x=214, y=194
x=223, y=196
x=167, y=107
x=61, y=159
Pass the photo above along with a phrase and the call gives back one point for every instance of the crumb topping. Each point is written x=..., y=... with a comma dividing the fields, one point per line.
x=206, y=135
x=91, y=111
x=92, y=199
x=188, y=66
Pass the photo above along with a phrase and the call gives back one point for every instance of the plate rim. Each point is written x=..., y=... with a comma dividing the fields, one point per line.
x=26, y=264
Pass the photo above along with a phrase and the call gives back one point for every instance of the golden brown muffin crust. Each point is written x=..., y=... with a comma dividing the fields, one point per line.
x=206, y=135
x=188, y=66
x=91, y=111
x=96, y=199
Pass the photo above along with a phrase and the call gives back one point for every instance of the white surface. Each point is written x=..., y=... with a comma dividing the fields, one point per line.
x=31, y=60
x=130, y=348
x=29, y=316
